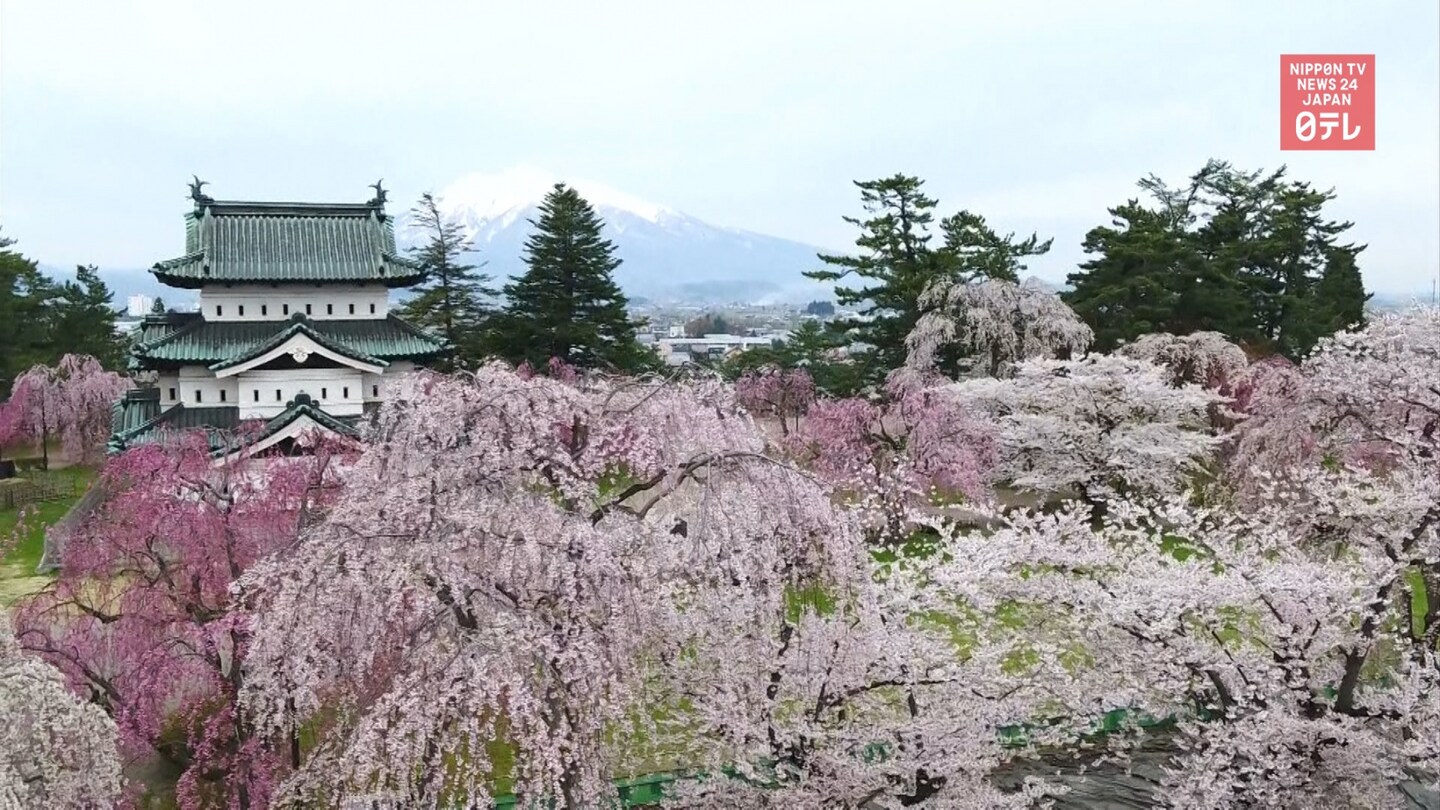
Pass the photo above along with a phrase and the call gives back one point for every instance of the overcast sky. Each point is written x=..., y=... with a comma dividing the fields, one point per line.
x=1039, y=115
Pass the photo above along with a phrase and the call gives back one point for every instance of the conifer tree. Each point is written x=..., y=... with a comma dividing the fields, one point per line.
x=1247, y=254
x=567, y=305
x=894, y=268
x=897, y=264
x=82, y=319
x=24, y=295
x=452, y=298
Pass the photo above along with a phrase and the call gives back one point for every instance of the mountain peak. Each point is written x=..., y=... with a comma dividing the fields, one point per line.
x=480, y=197
x=665, y=254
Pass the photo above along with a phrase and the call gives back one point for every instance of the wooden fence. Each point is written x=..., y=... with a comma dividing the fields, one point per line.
x=23, y=492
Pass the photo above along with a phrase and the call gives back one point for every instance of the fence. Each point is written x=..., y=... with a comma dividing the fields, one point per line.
x=22, y=492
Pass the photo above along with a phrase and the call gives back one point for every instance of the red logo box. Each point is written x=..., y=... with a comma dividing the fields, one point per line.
x=1327, y=102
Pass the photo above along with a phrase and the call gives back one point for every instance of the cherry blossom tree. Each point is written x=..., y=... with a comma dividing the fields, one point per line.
x=140, y=618
x=1094, y=426
x=72, y=400
x=1206, y=359
x=1291, y=677
x=993, y=324
x=12, y=424
x=776, y=392
x=1365, y=398
x=920, y=446
x=593, y=576
x=56, y=751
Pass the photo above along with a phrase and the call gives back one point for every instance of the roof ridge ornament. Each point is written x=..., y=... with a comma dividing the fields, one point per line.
x=197, y=194
x=380, y=193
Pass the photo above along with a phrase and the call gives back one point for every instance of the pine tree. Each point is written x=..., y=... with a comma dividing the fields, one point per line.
x=1339, y=297
x=567, y=305
x=82, y=320
x=895, y=266
x=158, y=308
x=977, y=252
x=451, y=301
x=25, y=295
x=1243, y=254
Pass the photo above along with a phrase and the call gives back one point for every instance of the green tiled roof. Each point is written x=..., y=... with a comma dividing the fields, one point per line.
x=299, y=326
x=169, y=340
x=137, y=419
x=302, y=405
x=271, y=243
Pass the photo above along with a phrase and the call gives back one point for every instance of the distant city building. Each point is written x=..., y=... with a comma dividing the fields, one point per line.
x=293, y=330
x=679, y=351
x=138, y=306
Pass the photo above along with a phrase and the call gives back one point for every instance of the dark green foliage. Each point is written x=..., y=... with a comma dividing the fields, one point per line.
x=567, y=305
x=896, y=263
x=158, y=308
x=451, y=301
x=1248, y=255
x=976, y=252
x=894, y=267
x=82, y=319
x=811, y=347
x=711, y=324
x=40, y=320
x=24, y=298
x=823, y=309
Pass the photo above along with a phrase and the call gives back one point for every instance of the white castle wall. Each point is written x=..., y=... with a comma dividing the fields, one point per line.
x=267, y=302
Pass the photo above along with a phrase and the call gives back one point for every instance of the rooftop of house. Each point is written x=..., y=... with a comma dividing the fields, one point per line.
x=187, y=338
x=249, y=242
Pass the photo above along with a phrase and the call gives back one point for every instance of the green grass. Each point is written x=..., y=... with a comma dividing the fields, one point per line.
x=17, y=567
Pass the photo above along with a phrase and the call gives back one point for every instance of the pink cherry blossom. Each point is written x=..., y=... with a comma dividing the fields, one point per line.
x=141, y=621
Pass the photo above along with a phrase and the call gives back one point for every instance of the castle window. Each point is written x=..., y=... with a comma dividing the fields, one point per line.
x=284, y=309
x=372, y=309
x=198, y=398
x=172, y=393
x=307, y=310
x=242, y=310
x=324, y=393
x=329, y=309
x=256, y=394
x=277, y=394
x=345, y=392
x=352, y=309
x=374, y=390
x=222, y=395
x=218, y=310
x=264, y=310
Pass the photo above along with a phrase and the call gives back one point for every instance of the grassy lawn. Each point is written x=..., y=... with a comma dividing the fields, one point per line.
x=17, y=568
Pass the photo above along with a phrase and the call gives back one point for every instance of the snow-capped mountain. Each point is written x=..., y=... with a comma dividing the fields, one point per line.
x=666, y=255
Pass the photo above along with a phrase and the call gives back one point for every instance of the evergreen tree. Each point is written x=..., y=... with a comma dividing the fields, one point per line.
x=810, y=346
x=894, y=267
x=1339, y=298
x=711, y=324
x=1243, y=254
x=897, y=264
x=567, y=305
x=24, y=328
x=976, y=252
x=451, y=301
x=158, y=308
x=82, y=320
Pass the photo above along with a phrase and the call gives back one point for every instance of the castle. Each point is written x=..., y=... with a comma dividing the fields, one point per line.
x=294, y=331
